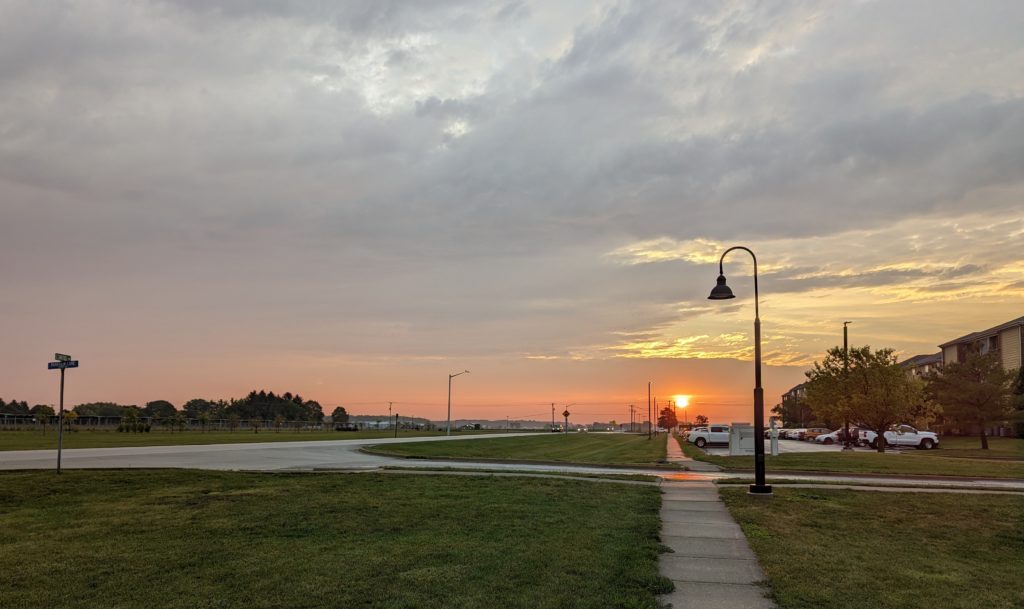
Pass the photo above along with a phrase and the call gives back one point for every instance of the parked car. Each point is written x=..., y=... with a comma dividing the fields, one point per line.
x=814, y=432
x=781, y=431
x=902, y=435
x=834, y=437
x=794, y=434
x=712, y=434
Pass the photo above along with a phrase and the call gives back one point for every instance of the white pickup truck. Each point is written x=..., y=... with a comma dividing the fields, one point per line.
x=712, y=434
x=902, y=435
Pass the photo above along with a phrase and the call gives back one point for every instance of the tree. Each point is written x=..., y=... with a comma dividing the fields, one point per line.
x=700, y=420
x=278, y=422
x=179, y=420
x=69, y=418
x=667, y=418
x=339, y=415
x=204, y=419
x=233, y=419
x=14, y=407
x=159, y=409
x=194, y=407
x=42, y=410
x=975, y=392
x=877, y=393
x=43, y=413
x=1018, y=398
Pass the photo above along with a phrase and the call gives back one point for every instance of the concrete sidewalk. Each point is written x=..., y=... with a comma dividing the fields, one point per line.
x=711, y=564
x=675, y=455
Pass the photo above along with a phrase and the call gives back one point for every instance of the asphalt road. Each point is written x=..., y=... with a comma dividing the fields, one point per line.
x=255, y=456
x=345, y=455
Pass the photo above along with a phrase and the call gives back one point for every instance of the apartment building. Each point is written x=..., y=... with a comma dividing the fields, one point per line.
x=1007, y=339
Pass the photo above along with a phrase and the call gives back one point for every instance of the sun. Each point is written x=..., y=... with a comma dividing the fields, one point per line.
x=682, y=401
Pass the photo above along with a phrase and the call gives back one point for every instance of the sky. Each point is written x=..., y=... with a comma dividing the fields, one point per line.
x=353, y=200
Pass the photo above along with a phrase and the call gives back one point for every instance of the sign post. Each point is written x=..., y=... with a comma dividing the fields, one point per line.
x=63, y=362
x=566, y=415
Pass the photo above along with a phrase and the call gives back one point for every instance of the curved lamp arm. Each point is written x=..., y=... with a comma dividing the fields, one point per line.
x=757, y=312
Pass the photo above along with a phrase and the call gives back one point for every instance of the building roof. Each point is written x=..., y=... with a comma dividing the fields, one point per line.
x=922, y=360
x=973, y=336
x=795, y=389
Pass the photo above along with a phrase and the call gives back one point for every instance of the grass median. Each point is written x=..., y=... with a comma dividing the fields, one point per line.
x=173, y=539
x=958, y=457
x=824, y=548
x=589, y=448
x=35, y=440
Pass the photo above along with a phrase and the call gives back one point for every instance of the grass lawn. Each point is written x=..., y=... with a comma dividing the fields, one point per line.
x=32, y=440
x=959, y=459
x=823, y=548
x=615, y=449
x=159, y=538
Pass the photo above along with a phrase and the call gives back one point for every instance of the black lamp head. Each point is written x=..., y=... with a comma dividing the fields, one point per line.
x=721, y=291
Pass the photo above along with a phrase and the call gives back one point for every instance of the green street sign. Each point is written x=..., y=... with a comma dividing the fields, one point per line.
x=60, y=357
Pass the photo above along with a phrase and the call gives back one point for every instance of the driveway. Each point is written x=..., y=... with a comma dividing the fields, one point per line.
x=785, y=446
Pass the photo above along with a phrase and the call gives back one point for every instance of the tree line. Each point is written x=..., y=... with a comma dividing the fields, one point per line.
x=14, y=407
x=259, y=405
x=871, y=390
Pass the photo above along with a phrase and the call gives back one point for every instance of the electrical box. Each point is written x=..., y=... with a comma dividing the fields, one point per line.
x=741, y=439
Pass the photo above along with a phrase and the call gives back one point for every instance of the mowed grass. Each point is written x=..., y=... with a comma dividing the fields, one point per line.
x=824, y=548
x=158, y=538
x=612, y=449
x=959, y=459
x=34, y=440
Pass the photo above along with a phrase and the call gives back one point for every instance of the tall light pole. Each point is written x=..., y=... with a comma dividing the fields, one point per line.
x=649, y=426
x=847, y=444
x=448, y=427
x=722, y=291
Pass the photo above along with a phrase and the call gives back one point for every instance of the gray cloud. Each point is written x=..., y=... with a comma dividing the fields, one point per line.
x=446, y=176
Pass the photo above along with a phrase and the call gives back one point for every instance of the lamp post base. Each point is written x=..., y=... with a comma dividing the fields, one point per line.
x=761, y=490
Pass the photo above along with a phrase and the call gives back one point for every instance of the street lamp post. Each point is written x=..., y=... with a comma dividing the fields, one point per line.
x=847, y=444
x=722, y=291
x=448, y=427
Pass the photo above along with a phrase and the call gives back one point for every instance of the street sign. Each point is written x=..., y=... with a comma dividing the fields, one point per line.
x=565, y=414
x=60, y=357
x=71, y=363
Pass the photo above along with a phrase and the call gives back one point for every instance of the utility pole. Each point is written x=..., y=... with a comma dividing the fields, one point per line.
x=552, y=416
x=389, y=412
x=847, y=445
x=651, y=422
x=631, y=419
x=648, y=409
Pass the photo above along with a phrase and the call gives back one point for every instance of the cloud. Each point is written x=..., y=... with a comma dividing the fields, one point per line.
x=419, y=179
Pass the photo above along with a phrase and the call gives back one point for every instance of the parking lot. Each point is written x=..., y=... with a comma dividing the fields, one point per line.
x=790, y=446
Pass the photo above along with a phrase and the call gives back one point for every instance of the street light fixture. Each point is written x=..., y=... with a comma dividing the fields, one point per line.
x=721, y=291
x=448, y=427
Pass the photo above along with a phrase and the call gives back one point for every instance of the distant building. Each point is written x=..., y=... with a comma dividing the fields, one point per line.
x=796, y=393
x=922, y=365
x=1006, y=339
